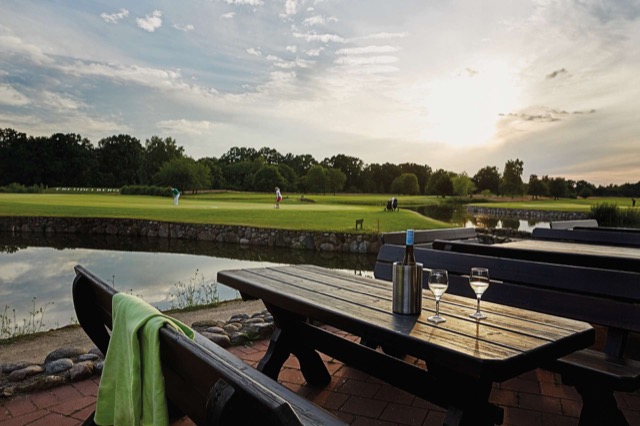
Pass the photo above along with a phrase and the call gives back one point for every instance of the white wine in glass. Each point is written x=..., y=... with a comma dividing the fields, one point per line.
x=479, y=282
x=438, y=284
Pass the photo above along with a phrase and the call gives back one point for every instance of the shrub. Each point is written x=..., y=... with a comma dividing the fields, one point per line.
x=611, y=215
x=17, y=188
x=160, y=191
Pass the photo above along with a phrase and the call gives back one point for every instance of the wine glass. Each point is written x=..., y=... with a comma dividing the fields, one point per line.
x=438, y=284
x=479, y=282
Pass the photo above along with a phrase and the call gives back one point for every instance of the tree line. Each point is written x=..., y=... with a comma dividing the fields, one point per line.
x=64, y=160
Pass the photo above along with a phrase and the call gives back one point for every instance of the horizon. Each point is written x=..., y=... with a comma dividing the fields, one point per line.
x=457, y=86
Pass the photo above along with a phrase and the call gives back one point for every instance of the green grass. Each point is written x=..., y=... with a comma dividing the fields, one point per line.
x=327, y=213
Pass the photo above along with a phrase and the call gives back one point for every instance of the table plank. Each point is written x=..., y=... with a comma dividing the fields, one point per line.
x=567, y=247
x=363, y=306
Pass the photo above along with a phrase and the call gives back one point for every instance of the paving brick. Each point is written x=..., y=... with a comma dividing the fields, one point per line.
x=291, y=375
x=85, y=413
x=54, y=419
x=86, y=387
x=19, y=406
x=327, y=399
x=539, y=402
x=554, y=419
x=4, y=413
x=366, y=421
x=73, y=405
x=351, y=373
x=363, y=406
x=571, y=407
x=434, y=418
x=504, y=397
x=66, y=393
x=404, y=414
x=560, y=391
x=43, y=399
x=360, y=388
x=519, y=417
x=520, y=385
x=24, y=419
x=392, y=394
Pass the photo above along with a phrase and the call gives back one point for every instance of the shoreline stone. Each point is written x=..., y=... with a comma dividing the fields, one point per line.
x=65, y=365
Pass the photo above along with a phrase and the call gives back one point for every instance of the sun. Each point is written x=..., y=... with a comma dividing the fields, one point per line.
x=463, y=109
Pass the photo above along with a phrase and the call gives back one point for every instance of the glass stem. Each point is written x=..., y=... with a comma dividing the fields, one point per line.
x=437, y=306
x=478, y=308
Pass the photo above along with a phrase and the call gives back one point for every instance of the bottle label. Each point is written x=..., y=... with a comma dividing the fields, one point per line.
x=409, y=237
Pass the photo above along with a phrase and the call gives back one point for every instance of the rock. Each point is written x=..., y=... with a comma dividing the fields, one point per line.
x=207, y=323
x=81, y=371
x=98, y=367
x=232, y=327
x=41, y=383
x=8, y=368
x=259, y=331
x=63, y=353
x=58, y=366
x=238, y=338
x=96, y=351
x=254, y=320
x=221, y=340
x=238, y=318
x=215, y=330
x=20, y=375
x=88, y=357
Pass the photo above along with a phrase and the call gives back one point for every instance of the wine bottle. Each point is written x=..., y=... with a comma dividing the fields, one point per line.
x=409, y=257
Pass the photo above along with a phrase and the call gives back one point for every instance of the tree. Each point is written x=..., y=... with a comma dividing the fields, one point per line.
x=236, y=155
x=558, y=188
x=350, y=166
x=158, y=151
x=238, y=175
x=183, y=173
x=216, y=178
x=463, y=185
x=487, y=178
x=270, y=155
x=119, y=160
x=267, y=178
x=511, y=183
x=406, y=183
x=290, y=177
x=15, y=158
x=316, y=179
x=440, y=184
x=536, y=187
x=299, y=163
x=421, y=172
x=336, y=180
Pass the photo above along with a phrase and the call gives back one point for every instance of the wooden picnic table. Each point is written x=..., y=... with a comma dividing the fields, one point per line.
x=463, y=357
x=576, y=248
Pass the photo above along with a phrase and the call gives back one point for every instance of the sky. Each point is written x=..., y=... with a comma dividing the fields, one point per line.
x=453, y=84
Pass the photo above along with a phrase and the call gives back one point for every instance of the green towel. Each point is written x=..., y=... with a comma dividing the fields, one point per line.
x=131, y=389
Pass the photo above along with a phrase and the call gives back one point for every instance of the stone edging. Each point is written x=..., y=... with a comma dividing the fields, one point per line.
x=66, y=365
x=545, y=215
x=303, y=240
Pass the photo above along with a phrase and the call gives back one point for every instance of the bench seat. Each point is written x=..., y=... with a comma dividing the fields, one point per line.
x=608, y=299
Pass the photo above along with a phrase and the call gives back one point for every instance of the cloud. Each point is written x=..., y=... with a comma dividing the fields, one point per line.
x=556, y=73
x=314, y=20
x=151, y=22
x=254, y=52
x=246, y=2
x=544, y=115
x=114, y=18
x=367, y=50
x=366, y=60
x=314, y=52
x=323, y=38
x=186, y=126
x=10, y=44
x=229, y=15
x=292, y=49
x=10, y=96
x=290, y=7
x=381, y=36
x=185, y=28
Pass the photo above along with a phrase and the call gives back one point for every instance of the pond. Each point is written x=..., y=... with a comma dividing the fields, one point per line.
x=458, y=215
x=41, y=267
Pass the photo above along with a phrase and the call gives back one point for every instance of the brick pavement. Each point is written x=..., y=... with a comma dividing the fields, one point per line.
x=536, y=398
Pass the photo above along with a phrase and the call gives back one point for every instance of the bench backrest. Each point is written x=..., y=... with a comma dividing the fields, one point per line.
x=599, y=296
x=202, y=380
x=571, y=224
x=574, y=259
x=612, y=238
x=428, y=236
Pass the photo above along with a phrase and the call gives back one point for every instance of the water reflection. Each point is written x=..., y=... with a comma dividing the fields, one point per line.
x=457, y=215
x=41, y=266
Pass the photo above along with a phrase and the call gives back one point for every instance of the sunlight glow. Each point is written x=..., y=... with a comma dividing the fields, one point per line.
x=463, y=109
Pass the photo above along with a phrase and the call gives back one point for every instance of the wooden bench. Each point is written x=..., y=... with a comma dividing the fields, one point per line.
x=571, y=224
x=611, y=238
x=202, y=380
x=427, y=236
x=605, y=298
x=575, y=259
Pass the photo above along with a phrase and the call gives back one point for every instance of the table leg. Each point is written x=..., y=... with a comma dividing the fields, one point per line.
x=284, y=342
x=469, y=398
